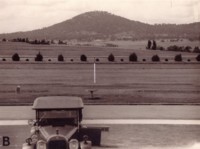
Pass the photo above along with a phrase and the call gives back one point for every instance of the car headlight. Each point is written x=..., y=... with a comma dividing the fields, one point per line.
x=41, y=144
x=73, y=144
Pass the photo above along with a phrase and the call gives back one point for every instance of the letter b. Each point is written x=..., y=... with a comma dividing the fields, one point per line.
x=6, y=141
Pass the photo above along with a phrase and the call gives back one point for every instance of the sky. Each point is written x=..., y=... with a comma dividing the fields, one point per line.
x=25, y=15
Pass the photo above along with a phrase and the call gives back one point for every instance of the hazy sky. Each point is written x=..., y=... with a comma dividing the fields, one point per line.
x=23, y=15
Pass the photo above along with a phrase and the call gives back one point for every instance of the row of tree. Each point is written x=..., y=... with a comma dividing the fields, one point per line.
x=152, y=45
x=183, y=49
x=35, y=41
x=111, y=58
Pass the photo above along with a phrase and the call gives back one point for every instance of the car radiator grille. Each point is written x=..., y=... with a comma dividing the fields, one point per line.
x=57, y=144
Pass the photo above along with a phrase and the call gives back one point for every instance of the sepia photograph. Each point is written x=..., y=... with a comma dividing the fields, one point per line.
x=100, y=74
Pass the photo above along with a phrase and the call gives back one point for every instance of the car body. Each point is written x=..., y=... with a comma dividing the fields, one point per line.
x=58, y=124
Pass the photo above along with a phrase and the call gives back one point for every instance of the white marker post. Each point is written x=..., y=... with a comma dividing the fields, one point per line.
x=94, y=71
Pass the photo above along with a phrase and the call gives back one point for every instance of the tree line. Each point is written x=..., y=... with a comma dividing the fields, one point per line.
x=111, y=58
x=152, y=45
x=36, y=41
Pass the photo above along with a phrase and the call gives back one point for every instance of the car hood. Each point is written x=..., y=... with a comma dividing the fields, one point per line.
x=49, y=132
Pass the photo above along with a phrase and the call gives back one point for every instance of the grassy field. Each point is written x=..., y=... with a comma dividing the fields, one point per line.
x=7, y=49
x=119, y=82
x=116, y=83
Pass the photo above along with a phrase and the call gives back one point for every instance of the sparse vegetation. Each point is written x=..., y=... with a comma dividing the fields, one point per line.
x=16, y=57
x=39, y=57
x=178, y=58
x=111, y=58
x=83, y=58
x=133, y=57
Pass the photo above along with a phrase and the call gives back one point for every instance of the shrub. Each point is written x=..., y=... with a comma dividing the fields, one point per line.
x=178, y=58
x=83, y=58
x=172, y=48
x=39, y=57
x=16, y=57
x=162, y=40
x=161, y=48
x=111, y=58
x=133, y=58
x=4, y=39
x=175, y=48
x=198, y=58
x=179, y=48
x=60, y=58
x=187, y=49
x=111, y=45
x=155, y=58
x=196, y=50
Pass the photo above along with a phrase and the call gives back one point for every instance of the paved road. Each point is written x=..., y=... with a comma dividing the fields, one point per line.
x=127, y=136
x=182, y=112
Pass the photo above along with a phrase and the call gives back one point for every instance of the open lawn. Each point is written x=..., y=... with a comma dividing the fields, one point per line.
x=119, y=82
x=7, y=49
x=115, y=83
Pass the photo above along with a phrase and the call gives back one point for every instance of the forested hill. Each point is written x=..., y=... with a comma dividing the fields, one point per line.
x=103, y=25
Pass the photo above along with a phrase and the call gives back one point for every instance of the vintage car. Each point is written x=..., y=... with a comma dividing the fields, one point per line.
x=58, y=125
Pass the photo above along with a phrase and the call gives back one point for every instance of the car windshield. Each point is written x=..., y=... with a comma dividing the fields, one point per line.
x=58, y=117
x=58, y=114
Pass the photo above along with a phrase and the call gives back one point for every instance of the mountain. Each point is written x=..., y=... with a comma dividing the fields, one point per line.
x=103, y=25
